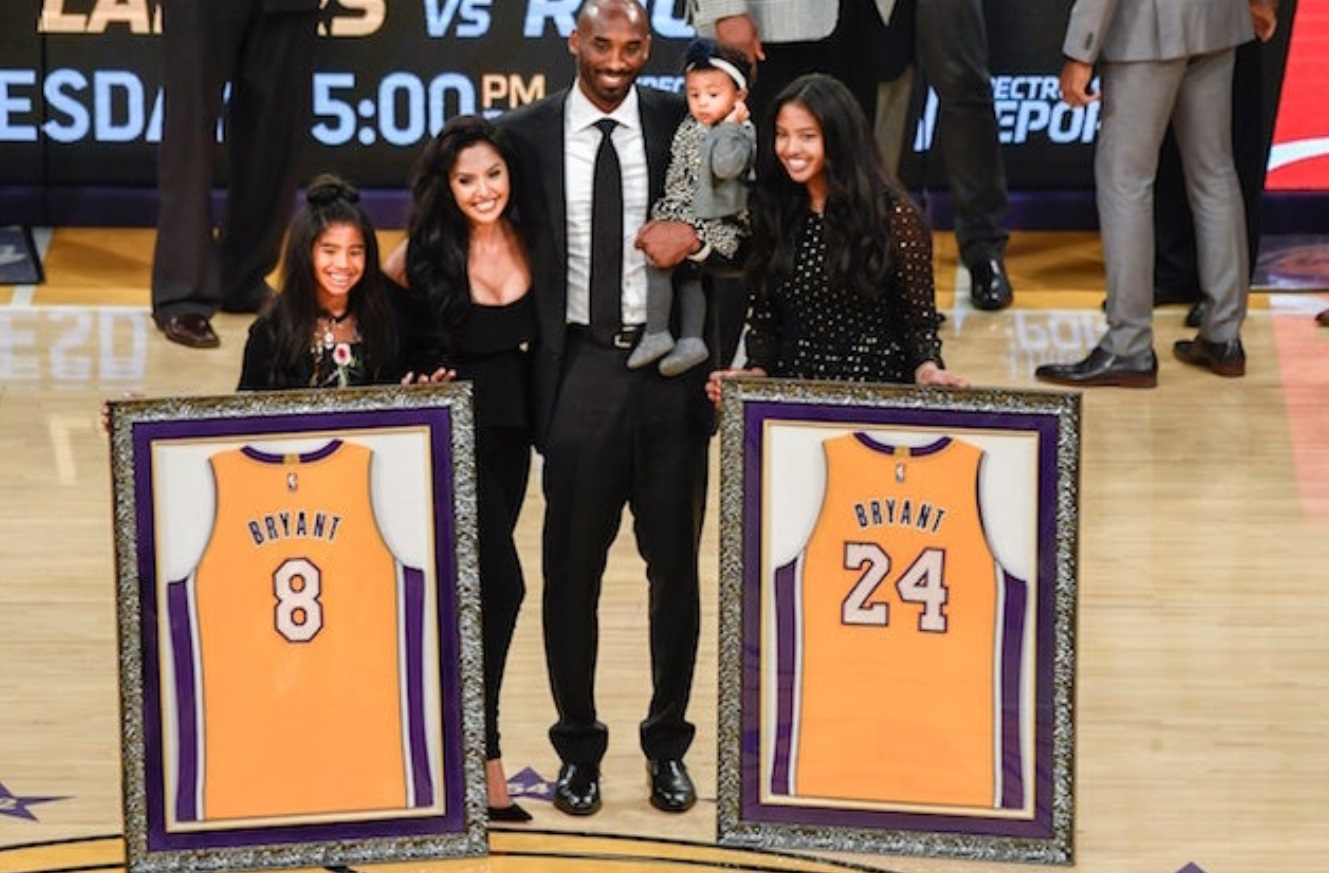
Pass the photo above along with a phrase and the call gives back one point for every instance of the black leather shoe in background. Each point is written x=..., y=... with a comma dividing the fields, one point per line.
x=989, y=287
x=671, y=786
x=1196, y=314
x=1102, y=368
x=190, y=329
x=1223, y=359
x=578, y=789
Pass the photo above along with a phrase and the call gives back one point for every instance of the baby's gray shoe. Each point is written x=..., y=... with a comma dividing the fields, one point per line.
x=687, y=354
x=652, y=347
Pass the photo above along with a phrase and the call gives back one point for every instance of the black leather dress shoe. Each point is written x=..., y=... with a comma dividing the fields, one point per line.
x=1104, y=368
x=248, y=301
x=671, y=786
x=1224, y=359
x=578, y=789
x=1322, y=318
x=1196, y=314
x=989, y=287
x=510, y=814
x=190, y=329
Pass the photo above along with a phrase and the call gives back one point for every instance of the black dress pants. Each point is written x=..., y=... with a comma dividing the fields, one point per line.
x=622, y=438
x=503, y=466
x=267, y=56
x=952, y=46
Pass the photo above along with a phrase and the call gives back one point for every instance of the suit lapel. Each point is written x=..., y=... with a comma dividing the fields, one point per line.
x=657, y=129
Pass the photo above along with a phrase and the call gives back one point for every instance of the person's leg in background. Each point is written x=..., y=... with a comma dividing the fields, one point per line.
x=892, y=68
x=269, y=121
x=200, y=41
x=1176, y=278
x=951, y=40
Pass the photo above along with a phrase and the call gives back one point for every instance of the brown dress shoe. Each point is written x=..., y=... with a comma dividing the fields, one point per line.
x=1323, y=318
x=190, y=329
x=1224, y=359
x=1103, y=368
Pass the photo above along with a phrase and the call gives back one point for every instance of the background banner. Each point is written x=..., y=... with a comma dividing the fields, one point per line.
x=80, y=101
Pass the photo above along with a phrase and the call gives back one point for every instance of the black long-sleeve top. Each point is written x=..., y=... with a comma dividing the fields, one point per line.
x=809, y=329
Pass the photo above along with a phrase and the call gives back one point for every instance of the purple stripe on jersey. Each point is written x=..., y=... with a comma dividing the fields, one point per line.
x=182, y=649
x=785, y=585
x=1012, y=660
x=308, y=457
x=414, y=586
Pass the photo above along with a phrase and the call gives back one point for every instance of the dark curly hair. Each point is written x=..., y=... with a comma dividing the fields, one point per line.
x=860, y=196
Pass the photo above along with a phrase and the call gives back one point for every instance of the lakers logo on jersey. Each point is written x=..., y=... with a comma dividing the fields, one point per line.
x=899, y=638
x=290, y=644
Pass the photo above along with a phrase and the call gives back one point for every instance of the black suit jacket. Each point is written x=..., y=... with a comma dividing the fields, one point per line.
x=537, y=133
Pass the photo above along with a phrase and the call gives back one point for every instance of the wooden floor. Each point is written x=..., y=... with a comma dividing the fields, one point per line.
x=1203, y=685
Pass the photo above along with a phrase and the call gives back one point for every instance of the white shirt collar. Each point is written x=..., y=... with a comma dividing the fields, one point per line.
x=582, y=113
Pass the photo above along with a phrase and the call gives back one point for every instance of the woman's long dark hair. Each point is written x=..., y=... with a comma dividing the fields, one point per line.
x=438, y=234
x=331, y=201
x=860, y=195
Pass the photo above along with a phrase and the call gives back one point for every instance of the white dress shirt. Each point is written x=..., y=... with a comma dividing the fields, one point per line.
x=581, y=141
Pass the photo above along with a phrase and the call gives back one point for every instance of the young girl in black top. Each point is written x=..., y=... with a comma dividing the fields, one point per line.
x=338, y=320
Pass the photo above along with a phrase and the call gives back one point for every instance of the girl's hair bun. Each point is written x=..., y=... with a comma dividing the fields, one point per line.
x=327, y=188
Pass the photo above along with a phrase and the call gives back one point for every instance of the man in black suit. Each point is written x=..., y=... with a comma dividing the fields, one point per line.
x=611, y=436
x=265, y=50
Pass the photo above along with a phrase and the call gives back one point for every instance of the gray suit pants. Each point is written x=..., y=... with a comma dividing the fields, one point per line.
x=1139, y=99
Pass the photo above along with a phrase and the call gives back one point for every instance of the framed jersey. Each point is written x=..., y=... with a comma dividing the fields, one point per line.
x=299, y=623
x=897, y=624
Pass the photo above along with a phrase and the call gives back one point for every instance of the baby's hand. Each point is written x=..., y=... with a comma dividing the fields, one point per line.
x=739, y=113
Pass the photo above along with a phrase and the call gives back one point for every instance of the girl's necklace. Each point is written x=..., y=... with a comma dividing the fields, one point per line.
x=330, y=327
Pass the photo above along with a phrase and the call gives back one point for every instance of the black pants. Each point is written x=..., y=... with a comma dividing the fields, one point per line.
x=268, y=57
x=1176, y=276
x=952, y=44
x=503, y=465
x=633, y=438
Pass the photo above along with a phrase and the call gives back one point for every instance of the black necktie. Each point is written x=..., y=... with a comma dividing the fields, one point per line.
x=606, y=282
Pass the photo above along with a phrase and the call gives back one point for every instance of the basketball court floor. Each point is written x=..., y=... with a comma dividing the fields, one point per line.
x=1203, y=663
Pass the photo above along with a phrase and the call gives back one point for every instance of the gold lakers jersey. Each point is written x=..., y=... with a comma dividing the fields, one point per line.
x=289, y=641
x=890, y=636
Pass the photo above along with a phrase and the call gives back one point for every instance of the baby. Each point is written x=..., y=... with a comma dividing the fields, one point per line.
x=710, y=160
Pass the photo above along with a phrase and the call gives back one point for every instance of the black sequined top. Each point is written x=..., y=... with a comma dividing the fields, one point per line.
x=808, y=329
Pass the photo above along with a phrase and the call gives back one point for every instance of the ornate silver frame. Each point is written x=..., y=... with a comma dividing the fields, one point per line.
x=762, y=424
x=420, y=431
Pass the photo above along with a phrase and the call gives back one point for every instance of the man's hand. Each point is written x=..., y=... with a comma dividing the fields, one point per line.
x=1075, y=78
x=666, y=243
x=739, y=32
x=1264, y=15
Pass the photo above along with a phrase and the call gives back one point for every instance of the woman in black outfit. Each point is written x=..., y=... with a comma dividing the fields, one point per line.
x=840, y=264
x=338, y=321
x=465, y=253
